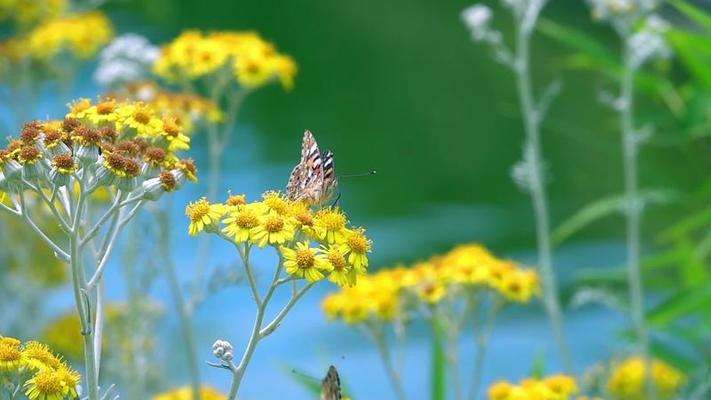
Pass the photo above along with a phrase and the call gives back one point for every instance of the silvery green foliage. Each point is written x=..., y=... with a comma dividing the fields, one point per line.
x=223, y=350
x=127, y=58
x=622, y=14
x=649, y=42
x=478, y=18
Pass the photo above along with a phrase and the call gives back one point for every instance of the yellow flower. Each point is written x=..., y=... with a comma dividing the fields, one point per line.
x=141, y=118
x=432, y=291
x=342, y=273
x=276, y=202
x=305, y=262
x=82, y=35
x=556, y=387
x=236, y=201
x=53, y=384
x=173, y=133
x=272, y=229
x=185, y=393
x=519, y=285
x=241, y=221
x=10, y=354
x=500, y=390
x=358, y=246
x=203, y=215
x=627, y=381
x=37, y=355
x=330, y=225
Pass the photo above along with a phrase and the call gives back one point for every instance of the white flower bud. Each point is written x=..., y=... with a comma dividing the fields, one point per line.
x=477, y=19
x=223, y=350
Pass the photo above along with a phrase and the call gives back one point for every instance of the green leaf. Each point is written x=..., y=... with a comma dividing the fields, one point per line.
x=605, y=207
x=681, y=304
x=538, y=369
x=694, y=50
x=309, y=383
x=694, y=13
x=577, y=40
x=439, y=363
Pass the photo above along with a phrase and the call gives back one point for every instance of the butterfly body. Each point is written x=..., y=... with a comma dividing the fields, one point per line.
x=331, y=385
x=313, y=179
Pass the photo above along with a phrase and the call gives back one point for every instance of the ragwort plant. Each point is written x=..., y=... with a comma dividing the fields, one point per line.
x=529, y=173
x=122, y=150
x=466, y=287
x=311, y=245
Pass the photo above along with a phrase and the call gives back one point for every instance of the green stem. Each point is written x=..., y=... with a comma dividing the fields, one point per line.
x=630, y=148
x=82, y=297
x=533, y=157
x=380, y=340
x=482, y=343
x=184, y=314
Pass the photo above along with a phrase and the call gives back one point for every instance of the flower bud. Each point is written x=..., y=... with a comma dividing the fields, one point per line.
x=223, y=350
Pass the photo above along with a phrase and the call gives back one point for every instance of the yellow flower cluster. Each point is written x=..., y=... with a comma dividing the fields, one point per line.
x=26, y=12
x=188, y=108
x=627, y=381
x=45, y=376
x=555, y=387
x=341, y=251
x=82, y=35
x=251, y=60
x=186, y=393
x=139, y=119
x=381, y=295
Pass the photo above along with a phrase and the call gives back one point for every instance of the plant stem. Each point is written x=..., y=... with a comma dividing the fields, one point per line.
x=630, y=146
x=184, y=314
x=81, y=296
x=380, y=340
x=533, y=156
x=482, y=343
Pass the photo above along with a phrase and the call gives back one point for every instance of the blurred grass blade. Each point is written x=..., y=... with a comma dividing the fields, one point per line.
x=309, y=383
x=694, y=13
x=605, y=207
x=685, y=302
x=576, y=39
x=538, y=369
x=438, y=376
x=694, y=51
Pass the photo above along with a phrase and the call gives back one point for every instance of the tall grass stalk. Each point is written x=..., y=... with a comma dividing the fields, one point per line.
x=533, y=114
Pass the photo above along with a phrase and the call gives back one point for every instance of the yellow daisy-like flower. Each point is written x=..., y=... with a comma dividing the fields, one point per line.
x=358, y=248
x=236, y=201
x=276, y=202
x=186, y=393
x=330, y=225
x=173, y=133
x=304, y=261
x=272, y=229
x=627, y=381
x=46, y=384
x=141, y=117
x=342, y=273
x=37, y=355
x=203, y=215
x=241, y=221
x=10, y=353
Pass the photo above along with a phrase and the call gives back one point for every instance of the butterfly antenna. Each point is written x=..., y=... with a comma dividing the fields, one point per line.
x=335, y=202
x=373, y=172
x=303, y=375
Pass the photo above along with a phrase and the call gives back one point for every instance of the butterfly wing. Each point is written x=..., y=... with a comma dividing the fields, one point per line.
x=306, y=181
x=330, y=182
x=331, y=385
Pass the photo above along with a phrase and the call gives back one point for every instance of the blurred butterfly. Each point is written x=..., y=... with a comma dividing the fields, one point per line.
x=331, y=385
x=313, y=179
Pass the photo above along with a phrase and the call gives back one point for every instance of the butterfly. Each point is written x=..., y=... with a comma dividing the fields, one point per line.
x=331, y=385
x=313, y=179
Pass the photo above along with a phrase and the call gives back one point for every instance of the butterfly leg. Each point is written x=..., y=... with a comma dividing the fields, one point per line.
x=335, y=202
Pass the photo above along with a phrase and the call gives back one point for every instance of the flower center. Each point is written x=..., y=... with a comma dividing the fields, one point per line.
x=105, y=107
x=274, y=224
x=48, y=382
x=358, y=243
x=333, y=221
x=197, y=211
x=305, y=219
x=337, y=260
x=142, y=116
x=246, y=220
x=305, y=259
